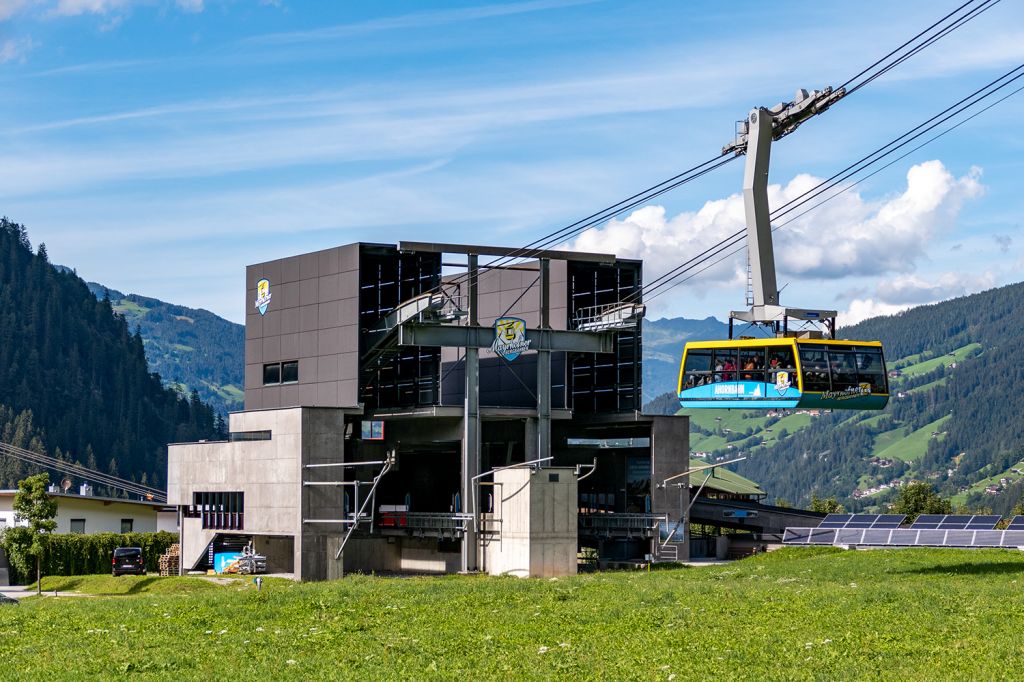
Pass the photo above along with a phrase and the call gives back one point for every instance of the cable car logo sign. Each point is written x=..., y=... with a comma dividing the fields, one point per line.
x=510, y=337
x=262, y=295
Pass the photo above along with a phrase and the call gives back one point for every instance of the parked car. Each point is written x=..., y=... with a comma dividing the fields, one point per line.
x=128, y=560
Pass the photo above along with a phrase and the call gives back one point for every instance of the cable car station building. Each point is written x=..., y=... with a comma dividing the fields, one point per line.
x=439, y=408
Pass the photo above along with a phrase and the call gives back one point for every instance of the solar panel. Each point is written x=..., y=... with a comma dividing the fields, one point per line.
x=988, y=538
x=796, y=536
x=1016, y=523
x=983, y=522
x=889, y=521
x=862, y=520
x=957, y=521
x=835, y=521
x=819, y=536
x=1013, y=538
x=849, y=536
x=876, y=536
x=959, y=538
x=903, y=537
x=930, y=538
x=928, y=521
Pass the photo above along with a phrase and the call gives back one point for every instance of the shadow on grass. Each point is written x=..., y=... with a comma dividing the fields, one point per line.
x=971, y=568
x=71, y=584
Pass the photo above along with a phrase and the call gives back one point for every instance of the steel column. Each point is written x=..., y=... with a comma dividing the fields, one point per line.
x=471, y=426
x=544, y=366
x=755, y=206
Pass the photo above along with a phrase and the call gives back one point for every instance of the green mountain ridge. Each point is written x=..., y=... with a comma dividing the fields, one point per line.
x=74, y=379
x=189, y=348
x=953, y=419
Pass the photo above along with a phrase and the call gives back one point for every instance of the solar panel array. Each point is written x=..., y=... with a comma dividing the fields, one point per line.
x=956, y=522
x=862, y=521
x=928, y=530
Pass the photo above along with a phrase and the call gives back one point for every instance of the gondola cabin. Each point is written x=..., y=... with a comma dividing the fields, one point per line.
x=783, y=373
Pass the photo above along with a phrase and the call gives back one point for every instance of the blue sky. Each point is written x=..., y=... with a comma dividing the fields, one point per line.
x=158, y=147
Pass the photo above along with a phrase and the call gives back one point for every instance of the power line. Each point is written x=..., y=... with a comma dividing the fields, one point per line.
x=72, y=469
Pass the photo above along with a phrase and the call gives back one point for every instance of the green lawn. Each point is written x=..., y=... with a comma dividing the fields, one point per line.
x=914, y=614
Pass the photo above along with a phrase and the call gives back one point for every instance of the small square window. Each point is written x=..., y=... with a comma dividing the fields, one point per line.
x=271, y=374
x=78, y=526
x=289, y=372
x=126, y=525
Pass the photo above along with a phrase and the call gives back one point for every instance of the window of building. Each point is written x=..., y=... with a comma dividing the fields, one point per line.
x=272, y=374
x=78, y=526
x=219, y=510
x=126, y=525
x=249, y=435
x=281, y=373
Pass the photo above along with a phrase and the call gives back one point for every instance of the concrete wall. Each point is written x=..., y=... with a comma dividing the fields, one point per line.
x=323, y=442
x=537, y=515
x=101, y=515
x=267, y=472
x=670, y=455
x=396, y=555
x=312, y=317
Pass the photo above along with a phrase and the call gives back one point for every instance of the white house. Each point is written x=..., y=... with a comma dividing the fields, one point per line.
x=92, y=514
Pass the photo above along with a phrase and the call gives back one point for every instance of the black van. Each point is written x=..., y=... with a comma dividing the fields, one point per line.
x=128, y=560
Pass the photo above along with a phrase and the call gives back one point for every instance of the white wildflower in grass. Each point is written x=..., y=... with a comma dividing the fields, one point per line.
x=542, y=650
x=291, y=661
x=671, y=677
x=222, y=632
x=209, y=632
x=259, y=629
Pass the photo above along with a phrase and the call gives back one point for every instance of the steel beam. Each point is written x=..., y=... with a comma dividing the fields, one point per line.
x=556, y=340
x=507, y=252
x=544, y=365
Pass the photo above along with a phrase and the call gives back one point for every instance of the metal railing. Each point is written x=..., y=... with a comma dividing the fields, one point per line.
x=643, y=525
x=608, y=317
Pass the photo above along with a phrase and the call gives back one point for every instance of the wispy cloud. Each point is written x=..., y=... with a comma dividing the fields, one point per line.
x=8, y=8
x=72, y=8
x=415, y=20
x=15, y=49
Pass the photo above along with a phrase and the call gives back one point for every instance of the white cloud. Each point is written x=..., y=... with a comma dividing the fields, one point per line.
x=911, y=289
x=846, y=237
x=862, y=309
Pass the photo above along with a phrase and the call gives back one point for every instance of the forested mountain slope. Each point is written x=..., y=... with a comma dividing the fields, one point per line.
x=954, y=419
x=190, y=348
x=74, y=380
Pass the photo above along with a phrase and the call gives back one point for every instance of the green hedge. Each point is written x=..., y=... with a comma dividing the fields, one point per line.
x=78, y=554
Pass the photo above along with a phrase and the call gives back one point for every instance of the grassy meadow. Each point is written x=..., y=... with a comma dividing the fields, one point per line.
x=917, y=614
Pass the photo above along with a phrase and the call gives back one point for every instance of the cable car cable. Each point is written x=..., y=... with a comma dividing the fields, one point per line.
x=741, y=234
x=974, y=13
